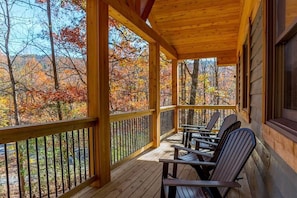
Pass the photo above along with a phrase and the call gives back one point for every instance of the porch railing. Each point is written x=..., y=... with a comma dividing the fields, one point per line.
x=45, y=160
x=130, y=135
x=54, y=159
x=203, y=113
x=167, y=120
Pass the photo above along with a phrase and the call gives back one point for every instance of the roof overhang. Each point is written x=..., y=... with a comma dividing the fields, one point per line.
x=187, y=29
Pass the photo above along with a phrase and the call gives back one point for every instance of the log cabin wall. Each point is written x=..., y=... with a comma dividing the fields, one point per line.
x=271, y=170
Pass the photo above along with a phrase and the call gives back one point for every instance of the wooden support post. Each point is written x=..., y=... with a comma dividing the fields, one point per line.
x=175, y=92
x=98, y=89
x=154, y=90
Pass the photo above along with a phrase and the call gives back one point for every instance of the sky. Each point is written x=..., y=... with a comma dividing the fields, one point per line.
x=29, y=23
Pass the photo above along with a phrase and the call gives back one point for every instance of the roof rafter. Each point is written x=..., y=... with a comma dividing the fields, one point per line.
x=120, y=11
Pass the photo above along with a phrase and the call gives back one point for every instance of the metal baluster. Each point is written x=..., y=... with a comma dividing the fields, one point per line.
x=115, y=143
x=6, y=171
x=67, y=161
x=79, y=160
x=46, y=166
x=29, y=170
x=55, y=168
x=124, y=138
x=128, y=136
x=38, y=166
x=19, y=168
x=84, y=145
x=88, y=141
x=73, y=156
x=62, y=164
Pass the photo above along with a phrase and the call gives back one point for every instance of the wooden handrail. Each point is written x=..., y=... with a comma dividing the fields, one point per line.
x=24, y=132
x=206, y=107
x=130, y=115
x=168, y=108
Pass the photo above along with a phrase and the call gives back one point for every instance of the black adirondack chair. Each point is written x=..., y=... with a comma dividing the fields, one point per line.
x=186, y=127
x=235, y=152
x=205, y=136
x=201, y=155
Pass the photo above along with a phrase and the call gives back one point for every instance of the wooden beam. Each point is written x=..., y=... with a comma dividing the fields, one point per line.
x=141, y=7
x=146, y=7
x=122, y=13
x=227, y=53
x=226, y=60
x=98, y=86
x=154, y=90
x=175, y=92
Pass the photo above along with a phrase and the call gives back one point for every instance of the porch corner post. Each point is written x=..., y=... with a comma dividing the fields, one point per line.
x=154, y=90
x=175, y=93
x=98, y=89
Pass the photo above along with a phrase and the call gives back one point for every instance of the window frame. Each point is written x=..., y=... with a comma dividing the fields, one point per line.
x=243, y=79
x=276, y=114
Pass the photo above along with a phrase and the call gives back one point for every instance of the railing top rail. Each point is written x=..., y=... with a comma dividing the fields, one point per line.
x=206, y=106
x=24, y=132
x=130, y=115
x=167, y=108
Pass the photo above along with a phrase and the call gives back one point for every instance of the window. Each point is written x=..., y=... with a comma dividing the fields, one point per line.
x=245, y=75
x=244, y=78
x=282, y=66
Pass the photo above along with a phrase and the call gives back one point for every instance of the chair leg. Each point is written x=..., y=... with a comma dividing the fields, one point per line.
x=186, y=139
x=189, y=140
x=162, y=195
x=183, y=138
x=164, y=176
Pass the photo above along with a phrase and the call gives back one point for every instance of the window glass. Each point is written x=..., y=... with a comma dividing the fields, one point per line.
x=290, y=80
x=286, y=14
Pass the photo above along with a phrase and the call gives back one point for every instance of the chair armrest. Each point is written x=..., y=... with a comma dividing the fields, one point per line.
x=205, y=142
x=192, y=151
x=204, y=131
x=199, y=183
x=192, y=125
x=187, y=162
x=208, y=137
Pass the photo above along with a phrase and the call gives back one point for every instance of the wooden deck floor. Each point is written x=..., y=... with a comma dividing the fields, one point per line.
x=141, y=176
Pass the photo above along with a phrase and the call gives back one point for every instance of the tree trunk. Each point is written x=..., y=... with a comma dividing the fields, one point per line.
x=20, y=156
x=54, y=63
x=193, y=91
x=204, y=90
x=183, y=90
x=9, y=65
x=216, y=85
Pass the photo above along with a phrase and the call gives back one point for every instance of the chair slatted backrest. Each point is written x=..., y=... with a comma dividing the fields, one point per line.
x=223, y=139
x=235, y=152
x=228, y=121
x=214, y=118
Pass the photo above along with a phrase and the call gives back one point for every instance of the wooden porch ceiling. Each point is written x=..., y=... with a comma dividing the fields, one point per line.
x=185, y=29
x=199, y=28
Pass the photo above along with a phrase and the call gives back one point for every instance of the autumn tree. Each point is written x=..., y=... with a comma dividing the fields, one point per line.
x=215, y=86
x=193, y=89
x=65, y=32
x=6, y=28
x=128, y=72
x=165, y=80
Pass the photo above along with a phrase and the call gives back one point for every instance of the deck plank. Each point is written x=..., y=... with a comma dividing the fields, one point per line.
x=141, y=176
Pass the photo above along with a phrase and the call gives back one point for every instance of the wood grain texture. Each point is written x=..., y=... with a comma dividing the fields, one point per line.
x=198, y=29
x=98, y=78
x=141, y=176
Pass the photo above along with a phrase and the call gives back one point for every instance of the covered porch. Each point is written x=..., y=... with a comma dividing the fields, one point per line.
x=116, y=155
